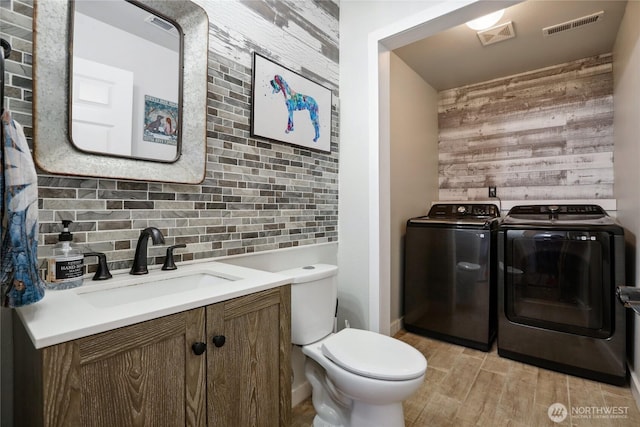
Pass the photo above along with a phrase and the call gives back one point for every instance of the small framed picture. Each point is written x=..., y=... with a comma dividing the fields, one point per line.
x=160, y=121
x=288, y=107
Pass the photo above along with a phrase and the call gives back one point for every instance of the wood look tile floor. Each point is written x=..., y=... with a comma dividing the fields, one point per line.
x=466, y=387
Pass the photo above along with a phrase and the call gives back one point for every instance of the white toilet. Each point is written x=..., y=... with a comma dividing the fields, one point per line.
x=358, y=377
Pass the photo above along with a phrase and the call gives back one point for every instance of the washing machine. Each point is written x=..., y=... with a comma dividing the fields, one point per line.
x=449, y=283
x=559, y=266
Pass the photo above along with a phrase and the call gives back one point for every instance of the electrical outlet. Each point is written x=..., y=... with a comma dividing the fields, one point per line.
x=492, y=192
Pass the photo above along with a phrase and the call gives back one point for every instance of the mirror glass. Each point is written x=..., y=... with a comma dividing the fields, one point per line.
x=124, y=81
x=68, y=140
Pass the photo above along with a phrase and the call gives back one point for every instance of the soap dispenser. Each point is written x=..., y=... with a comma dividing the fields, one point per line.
x=65, y=267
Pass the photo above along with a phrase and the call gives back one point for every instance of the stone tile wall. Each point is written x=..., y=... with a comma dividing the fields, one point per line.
x=258, y=195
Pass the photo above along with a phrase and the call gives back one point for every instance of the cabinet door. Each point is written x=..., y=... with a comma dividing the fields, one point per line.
x=249, y=377
x=140, y=375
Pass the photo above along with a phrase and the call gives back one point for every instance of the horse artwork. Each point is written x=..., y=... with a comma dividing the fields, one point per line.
x=288, y=107
x=297, y=102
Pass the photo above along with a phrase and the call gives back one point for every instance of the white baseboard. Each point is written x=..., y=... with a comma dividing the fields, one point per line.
x=635, y=387
x=395, y=327
x=300, y=393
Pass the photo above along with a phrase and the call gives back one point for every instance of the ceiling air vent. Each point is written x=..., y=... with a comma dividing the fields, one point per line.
x=496, y=34
x=162, y=24
x=573, y=24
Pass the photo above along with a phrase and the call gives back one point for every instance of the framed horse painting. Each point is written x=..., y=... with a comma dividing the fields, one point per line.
x=288, y=107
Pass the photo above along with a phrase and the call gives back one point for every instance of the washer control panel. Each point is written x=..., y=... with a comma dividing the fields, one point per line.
x=464, y=210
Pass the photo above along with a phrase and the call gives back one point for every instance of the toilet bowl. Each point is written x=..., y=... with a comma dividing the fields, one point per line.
x=373, y=373
x=359, y=378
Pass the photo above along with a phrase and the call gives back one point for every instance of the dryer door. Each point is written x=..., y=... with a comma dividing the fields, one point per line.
x=560, y=280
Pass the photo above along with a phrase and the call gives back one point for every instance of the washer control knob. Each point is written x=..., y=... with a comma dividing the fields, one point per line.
x=462, y=209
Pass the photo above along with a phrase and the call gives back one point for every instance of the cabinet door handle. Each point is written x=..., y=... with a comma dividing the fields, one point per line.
x=198, y=348
x=219, y=340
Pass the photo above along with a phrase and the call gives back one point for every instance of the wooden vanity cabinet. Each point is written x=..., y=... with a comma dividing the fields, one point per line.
x=249, y=377
x=148, y=374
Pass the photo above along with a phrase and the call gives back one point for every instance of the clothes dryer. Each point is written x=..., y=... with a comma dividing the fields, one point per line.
x=559, y=267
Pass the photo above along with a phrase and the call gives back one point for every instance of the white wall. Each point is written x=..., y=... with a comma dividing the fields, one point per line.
x=413, y=163
x=368, y=31
x=358, y=190
x=626, y=69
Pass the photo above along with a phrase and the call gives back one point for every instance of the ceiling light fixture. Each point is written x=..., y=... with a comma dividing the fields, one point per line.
x=486, y=21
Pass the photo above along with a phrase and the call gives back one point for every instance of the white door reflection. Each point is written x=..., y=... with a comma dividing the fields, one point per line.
x=102, y=107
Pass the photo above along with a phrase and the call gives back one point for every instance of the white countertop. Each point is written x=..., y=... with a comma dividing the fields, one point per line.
x=99, y=306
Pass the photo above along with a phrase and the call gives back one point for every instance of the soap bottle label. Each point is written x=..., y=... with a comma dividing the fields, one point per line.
x=65, y=270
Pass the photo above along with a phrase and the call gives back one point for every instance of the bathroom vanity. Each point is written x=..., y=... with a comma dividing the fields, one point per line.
x=225, y=360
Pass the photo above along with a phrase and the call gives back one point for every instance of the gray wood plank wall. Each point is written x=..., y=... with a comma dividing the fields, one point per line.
x=542, y=135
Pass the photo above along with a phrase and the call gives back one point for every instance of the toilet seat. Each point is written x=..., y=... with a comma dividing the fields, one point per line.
x=372, y=355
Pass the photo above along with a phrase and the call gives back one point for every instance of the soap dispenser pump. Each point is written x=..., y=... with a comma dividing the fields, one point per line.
x=65, y=267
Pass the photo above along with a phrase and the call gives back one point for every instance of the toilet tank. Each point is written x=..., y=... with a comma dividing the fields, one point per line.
x=314, y=292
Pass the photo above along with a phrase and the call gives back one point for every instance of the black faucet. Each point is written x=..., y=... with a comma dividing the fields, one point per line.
x=102, y=271
x=169, y=262
x=140, y=258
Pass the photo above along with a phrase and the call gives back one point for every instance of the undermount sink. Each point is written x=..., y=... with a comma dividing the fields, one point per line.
x=149, y=288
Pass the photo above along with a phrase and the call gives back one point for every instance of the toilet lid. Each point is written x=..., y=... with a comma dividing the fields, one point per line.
x=373, y=355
